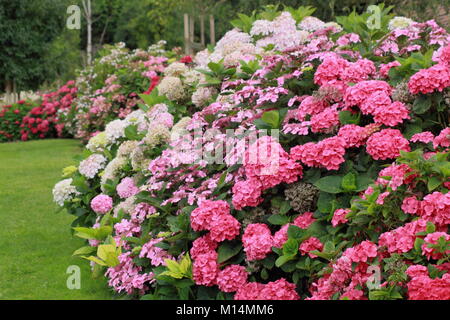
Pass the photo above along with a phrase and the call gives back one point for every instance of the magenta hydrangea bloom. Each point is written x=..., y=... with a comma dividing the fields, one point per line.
x=102, y=204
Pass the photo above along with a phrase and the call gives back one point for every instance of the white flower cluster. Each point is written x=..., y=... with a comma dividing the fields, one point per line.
x=64, y=191
x=311, y=24
x=92, y=165
x=399, y=23
x=202, y=96
x=156, y=135
x=115, y=130
x=112, y=170
x=172, y=88
x=97, y=143
x=176, y=69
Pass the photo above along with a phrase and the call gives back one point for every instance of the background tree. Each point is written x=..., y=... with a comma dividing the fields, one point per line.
x=27, y=29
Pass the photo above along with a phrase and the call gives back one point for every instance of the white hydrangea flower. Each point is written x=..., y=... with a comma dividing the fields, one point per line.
x=311, y=24
x=97, y=143
x=64, y=191
x=156, y=135
x=193, y=77
x=112, y=169
x=201, y=58
x=115, y=130
x=92, y=165
x=202, y=95
x=176, y=69
x=172, y=88
x=179, y=129
x=261, y=28
x=399, y=23
x=127, y=148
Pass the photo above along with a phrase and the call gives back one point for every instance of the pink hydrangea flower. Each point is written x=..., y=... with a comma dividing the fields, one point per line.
x=203, y=245
x=410, y=205
x=205, y=269
x=443, y=139
x=430, y=239
x=424, y=137
x=232, y=278
x=387, y=144
x=279, y=290
x=257, y=240
x=126, y=188
x=362, y=252
x=102, y=204
x=391, y=114
x=402, y=239
x=311, y=244
x=304, y=220
x=246, y=193
x=435, y=78
x=339, y=217
x=202, y=216
x=249, y=291
x=353, y=135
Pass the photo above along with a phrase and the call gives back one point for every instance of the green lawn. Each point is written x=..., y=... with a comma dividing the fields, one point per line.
x=35, y=242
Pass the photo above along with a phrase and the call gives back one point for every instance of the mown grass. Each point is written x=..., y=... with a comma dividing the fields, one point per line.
x=35, y=242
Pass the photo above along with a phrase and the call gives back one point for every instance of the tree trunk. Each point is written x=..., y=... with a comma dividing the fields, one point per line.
x=212, y=31
x=88, y=16
x=202, y=30
x=8, y=90
x=187, y=45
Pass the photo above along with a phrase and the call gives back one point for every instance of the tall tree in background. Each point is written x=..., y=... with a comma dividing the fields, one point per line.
x=27, y=29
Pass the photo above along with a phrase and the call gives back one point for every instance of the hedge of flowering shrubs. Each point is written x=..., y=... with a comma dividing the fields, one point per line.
x=297, y=160
x=109, y=89
x=11, y=118
x=105, y=91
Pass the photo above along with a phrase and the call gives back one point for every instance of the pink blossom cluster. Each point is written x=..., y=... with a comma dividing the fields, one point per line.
x=275, y=290
x=402, y=239
x=435, y=78
x=215, y=216
x=156, y=255
x=126, y=276
x=257, y=240
x=232, y=278
x=328, y=153
x=339, y=217
x=432, y=239
x=310, y=244
x=303, y=221
x=127, y=188
x=435, y=207
x=422, y=287
x=266, y=165
x=387, y=144
x=395, y=175
x=337, y=72
x=102, y=204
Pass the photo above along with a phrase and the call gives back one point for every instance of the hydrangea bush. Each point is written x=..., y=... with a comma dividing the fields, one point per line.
x=334, y=183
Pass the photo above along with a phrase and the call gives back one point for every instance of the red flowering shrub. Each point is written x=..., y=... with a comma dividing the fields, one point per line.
x=43, y=121
x=11, y=118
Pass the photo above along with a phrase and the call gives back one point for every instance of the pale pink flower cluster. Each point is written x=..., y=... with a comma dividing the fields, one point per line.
x=397, y=176
x=443, y=139
x=354, y=135
x=156, y=255
x=387, y=144
x=328, y=153
x=102, y=204
x=126, y=276
x=275, y=290
x=127, y=188
x=92, y=165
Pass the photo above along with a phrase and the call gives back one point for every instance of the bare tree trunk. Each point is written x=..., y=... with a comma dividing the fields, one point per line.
x=212, y=30
x=88, y=16
x=8, y=90
x=187, y=45
x=191, y=33
x=202, y=30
